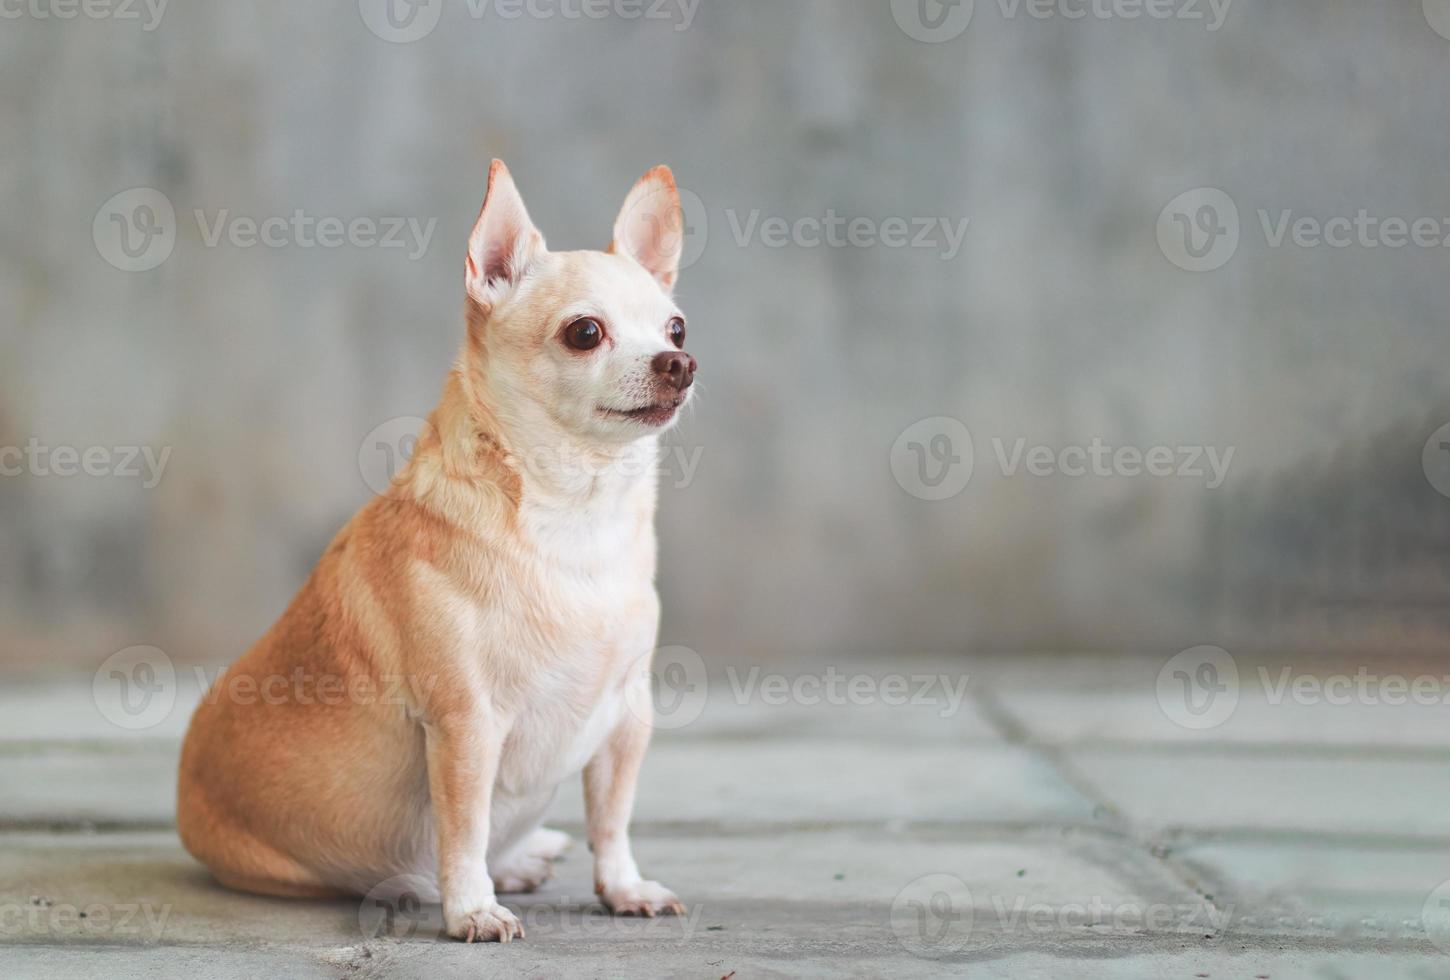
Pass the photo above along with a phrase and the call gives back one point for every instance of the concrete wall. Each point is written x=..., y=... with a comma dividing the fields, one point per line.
x=1060, y=320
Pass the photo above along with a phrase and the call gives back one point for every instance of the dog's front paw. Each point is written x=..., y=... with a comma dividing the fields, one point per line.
x=490, y=924
x=642, y=898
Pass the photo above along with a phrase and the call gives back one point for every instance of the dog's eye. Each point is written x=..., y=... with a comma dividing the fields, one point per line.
x=584, y=333
x=677, y=332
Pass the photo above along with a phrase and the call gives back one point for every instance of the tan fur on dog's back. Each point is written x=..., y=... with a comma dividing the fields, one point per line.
x=472, y=636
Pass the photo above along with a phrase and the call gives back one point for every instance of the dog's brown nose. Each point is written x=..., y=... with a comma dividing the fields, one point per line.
x=677, y=369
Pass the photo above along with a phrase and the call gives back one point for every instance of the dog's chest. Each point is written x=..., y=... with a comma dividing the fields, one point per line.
x=552, y=742
x=587, y=618
x=572, y=705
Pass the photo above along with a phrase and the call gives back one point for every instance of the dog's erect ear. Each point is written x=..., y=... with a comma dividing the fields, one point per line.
x=504, y=241
x=651, y=226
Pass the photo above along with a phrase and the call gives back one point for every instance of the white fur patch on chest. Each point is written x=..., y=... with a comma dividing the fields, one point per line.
x=559, y=630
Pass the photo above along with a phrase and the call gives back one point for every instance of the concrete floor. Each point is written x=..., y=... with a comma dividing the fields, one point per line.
x=1052, y=822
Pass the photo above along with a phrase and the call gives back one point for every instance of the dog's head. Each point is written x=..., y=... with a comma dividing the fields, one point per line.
x=589, y=342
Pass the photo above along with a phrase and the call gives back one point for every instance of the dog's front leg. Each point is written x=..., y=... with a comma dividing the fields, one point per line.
x=609, y=781
x=463, y=754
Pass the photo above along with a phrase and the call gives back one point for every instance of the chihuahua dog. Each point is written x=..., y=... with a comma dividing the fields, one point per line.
x=503, y=589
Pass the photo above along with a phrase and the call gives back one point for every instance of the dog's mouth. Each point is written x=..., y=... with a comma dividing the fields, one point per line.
x=654, y=414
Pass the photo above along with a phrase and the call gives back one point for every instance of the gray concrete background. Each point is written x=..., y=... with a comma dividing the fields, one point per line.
x=1060, y=321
